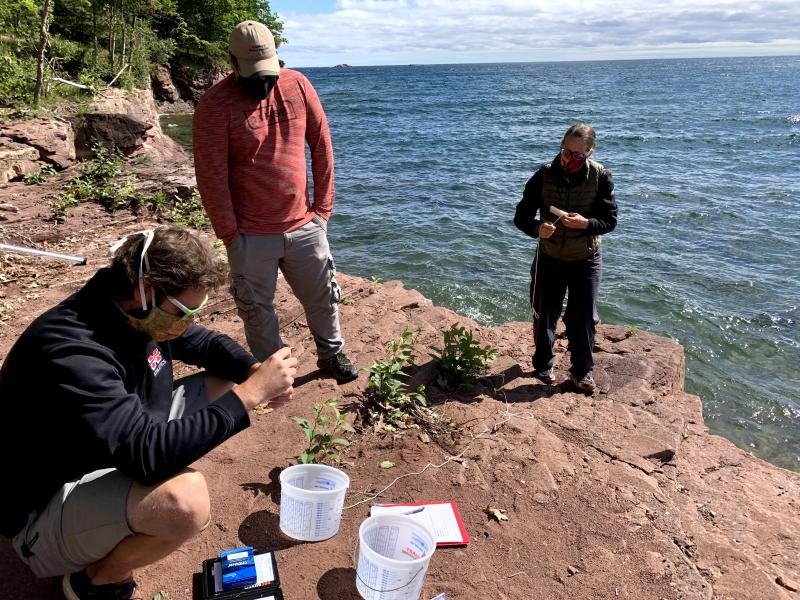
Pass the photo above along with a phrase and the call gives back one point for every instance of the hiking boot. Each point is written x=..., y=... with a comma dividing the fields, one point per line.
x=78, y=586
x=339, y=366
x=585, y=384
x=545, y=375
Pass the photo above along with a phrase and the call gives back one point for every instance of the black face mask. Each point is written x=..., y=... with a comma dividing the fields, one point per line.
x=259, y=87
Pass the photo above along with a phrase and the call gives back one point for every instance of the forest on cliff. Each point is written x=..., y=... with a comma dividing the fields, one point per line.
x=53, y=51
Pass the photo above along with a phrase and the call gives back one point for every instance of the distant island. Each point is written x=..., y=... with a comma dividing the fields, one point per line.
x=343, y=65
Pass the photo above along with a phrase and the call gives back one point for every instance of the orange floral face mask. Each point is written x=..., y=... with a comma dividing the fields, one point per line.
x=572, y=161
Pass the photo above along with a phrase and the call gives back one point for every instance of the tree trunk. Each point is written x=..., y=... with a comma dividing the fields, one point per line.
x=133, y=50
x=37, y=90
x=112, y=38
x=94, y=30
x=124, y=40
x=124, y=22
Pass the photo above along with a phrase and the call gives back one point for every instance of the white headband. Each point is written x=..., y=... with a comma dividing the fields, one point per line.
x=149, y=234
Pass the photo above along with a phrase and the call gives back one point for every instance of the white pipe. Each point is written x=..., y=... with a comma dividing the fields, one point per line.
x=81, y=260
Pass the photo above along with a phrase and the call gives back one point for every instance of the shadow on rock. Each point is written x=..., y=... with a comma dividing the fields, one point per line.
x=304, y=379
x=262, y=530
x=197, y=586
x=497, y=380
x=271, y=489
x=338, y=584
x=531, y=392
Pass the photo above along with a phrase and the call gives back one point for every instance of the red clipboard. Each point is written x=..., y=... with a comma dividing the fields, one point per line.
x=442, y=518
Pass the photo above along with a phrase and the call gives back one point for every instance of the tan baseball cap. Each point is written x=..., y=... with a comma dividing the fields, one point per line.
x=253, y=46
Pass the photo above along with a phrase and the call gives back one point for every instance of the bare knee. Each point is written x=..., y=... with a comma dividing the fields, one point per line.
x=187, y=499
x=177, y=508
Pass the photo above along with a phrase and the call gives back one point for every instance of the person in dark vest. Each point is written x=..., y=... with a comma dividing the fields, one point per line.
x=574, y=198
x=98, y=437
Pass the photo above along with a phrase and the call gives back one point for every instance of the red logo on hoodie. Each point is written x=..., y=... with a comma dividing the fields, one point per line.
x=155, y=360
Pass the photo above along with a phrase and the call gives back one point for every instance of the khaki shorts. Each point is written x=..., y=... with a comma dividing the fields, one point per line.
x=81, y=524
x=86, y=519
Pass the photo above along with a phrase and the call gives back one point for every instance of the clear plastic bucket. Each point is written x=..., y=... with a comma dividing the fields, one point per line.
x=393, y=556
x=312, y=497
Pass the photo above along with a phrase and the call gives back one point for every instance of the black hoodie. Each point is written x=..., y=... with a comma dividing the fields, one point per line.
x=81, y=390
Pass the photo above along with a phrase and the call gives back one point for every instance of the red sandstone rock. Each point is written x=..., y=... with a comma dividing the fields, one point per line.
x=627, y=488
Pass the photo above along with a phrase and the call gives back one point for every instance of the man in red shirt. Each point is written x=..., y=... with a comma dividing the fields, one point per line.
x=249, y=135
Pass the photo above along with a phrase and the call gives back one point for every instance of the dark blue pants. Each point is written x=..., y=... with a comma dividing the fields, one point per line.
x=579, y=280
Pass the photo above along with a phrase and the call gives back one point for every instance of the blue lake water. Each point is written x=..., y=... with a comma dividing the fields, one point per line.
x=431, y=161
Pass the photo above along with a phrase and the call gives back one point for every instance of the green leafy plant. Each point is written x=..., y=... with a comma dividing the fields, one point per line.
x=390, y=401
x=461, y=357
x=320, y=433
x=60, y=206
x=40, y=176
x=102, y=182
x=158, y=202
x=190, y=212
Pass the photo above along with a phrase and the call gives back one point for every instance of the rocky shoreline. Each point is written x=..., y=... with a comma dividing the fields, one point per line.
x=625, y=494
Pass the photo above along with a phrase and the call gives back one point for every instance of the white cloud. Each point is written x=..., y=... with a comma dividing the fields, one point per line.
x=402, y=31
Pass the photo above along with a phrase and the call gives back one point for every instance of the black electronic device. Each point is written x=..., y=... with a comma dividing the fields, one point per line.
x=268, y=586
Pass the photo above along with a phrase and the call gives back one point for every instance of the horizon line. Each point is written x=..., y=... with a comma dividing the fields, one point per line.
x=524, y=62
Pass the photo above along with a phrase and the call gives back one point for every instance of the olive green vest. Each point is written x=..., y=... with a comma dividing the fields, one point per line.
x=575, y=196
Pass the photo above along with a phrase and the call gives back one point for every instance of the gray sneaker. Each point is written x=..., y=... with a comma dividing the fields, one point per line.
x=585, y=384
x=339, y=367
x=545, y=375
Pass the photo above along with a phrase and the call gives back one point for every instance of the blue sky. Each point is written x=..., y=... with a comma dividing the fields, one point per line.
x=378, y=32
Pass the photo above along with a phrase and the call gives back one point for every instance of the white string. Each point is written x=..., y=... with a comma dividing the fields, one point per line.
x=430, y=465
x=506, y=415
x=144, y=264
x=534, y=314
x=149, y=235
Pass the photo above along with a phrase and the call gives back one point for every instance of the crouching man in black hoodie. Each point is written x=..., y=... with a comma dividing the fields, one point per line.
x=97, y=437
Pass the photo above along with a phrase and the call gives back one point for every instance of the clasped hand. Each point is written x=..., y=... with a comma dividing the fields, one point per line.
x=270, y=381
x=570, y=220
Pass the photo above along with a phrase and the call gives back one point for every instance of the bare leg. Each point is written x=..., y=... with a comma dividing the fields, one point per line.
x=162, y=518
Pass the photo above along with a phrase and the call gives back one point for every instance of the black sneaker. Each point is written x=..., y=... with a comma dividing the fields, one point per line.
x=339, y=366
x=78, y=586
x=545, y=375
x=585, y=384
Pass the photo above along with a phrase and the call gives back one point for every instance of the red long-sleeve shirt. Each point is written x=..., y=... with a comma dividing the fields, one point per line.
x=250, y=161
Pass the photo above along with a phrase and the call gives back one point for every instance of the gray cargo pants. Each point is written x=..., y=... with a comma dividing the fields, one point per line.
x=304, y=258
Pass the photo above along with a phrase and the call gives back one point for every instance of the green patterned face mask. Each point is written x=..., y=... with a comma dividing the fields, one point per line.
x=160, y=325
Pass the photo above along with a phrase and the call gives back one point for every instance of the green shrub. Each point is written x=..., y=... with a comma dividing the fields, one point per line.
x=16, y=82
x=190, y=212
x=390, y=401
x=461, y=358
x=323, y=445
x=104, y=182
x=59, y=207
x=40, y=176
x=100, y=182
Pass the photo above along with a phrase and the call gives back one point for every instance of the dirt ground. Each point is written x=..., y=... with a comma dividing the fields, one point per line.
x=602, y=493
